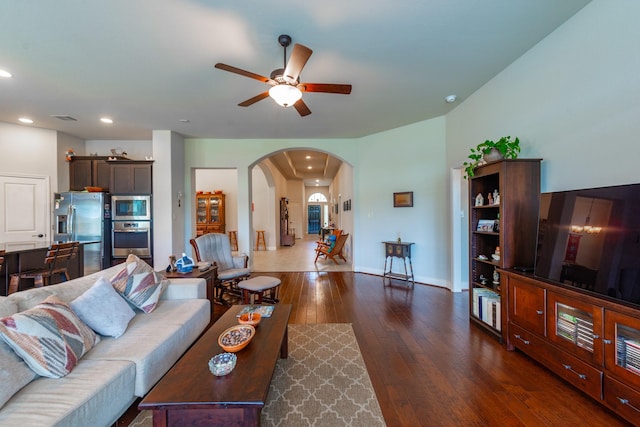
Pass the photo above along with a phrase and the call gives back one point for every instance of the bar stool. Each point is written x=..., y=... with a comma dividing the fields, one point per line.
x=233, y=239
x=260, y=240
x=56, y=262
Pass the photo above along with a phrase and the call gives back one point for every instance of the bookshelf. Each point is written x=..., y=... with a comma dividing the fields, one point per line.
x=504, y=199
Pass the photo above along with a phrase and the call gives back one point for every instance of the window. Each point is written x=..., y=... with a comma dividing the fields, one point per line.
x=317, y=197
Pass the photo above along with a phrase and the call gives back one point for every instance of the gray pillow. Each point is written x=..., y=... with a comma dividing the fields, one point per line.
x=14, y=373
x=103, y=309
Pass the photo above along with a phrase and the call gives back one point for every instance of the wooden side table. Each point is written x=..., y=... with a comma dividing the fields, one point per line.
x=398, y=250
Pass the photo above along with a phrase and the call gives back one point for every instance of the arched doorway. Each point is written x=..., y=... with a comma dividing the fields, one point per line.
x=269, y=184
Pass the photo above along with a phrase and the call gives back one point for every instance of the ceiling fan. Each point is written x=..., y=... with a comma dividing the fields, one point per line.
x=286, y=88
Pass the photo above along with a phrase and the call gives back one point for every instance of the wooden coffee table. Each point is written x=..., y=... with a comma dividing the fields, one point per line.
x=189, y=394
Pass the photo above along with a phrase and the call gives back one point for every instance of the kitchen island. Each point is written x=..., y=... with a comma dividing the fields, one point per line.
x=21, y=256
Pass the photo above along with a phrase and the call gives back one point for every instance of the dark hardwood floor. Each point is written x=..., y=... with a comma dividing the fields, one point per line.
x=428, y=365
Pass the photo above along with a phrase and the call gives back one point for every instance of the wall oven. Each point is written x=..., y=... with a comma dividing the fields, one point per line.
x=131, y=208
x=131, y=237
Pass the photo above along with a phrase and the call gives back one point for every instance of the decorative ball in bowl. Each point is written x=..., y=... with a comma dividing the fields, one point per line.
x=222, y=364
x=236, y=338
x=249, y=319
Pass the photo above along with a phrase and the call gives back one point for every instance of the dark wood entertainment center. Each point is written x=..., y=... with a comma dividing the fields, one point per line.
x=589, y=339
x=539, y=314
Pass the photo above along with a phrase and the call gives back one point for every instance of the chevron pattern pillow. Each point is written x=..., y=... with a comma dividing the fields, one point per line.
x=144, y=290
x=139, y=284
x=50, y=337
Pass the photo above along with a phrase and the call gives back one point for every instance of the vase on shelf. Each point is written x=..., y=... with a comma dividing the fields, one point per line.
x=493, y=155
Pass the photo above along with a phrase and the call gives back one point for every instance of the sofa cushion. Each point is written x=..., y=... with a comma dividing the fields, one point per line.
x=155, y=341
x=95, y=393
x=7, y=306
x=103, y=309
x=50, y=337
x=14, y=373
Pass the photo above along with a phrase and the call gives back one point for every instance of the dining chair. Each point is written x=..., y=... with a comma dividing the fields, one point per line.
x=56, y=263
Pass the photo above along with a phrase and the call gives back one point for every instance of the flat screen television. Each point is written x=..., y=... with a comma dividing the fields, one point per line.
x=590, y=239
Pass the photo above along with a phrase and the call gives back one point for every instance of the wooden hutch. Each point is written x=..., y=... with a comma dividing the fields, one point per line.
x=210, y=208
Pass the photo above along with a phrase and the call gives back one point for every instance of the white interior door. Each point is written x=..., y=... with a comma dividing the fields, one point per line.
x=24, y=208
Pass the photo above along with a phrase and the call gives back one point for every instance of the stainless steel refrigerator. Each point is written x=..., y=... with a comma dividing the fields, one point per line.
x=86, y=218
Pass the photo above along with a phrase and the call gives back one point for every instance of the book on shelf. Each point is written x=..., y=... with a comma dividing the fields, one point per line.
x=263, y=310
x=486, y=307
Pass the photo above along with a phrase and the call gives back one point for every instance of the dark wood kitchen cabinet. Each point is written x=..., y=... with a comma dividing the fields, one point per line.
x=89, y=171
x=131, y=177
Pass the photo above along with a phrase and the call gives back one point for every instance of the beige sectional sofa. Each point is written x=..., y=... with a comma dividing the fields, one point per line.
x=112, y=374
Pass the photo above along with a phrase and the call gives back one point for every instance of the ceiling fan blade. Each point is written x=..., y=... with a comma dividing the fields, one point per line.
x=255, y=99
x=299, y=57
x=302, y=108
x=245, y=73
x=325, y=87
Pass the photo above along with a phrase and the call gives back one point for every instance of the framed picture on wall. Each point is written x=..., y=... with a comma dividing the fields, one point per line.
x=403, y=200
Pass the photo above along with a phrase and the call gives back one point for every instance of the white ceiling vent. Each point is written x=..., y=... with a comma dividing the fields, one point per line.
x=65, y=117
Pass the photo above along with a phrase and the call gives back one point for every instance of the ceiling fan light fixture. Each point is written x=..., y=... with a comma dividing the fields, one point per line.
x=285, y=95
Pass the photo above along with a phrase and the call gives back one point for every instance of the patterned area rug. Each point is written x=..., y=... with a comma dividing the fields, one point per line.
x=323, y=382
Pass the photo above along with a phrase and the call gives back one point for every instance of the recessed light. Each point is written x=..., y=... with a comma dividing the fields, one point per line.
x=308, y=167
x=25, y=120
x=106, y=120
x=308, y=157
x=451, y=99
x=5, y=73
x=317, y=180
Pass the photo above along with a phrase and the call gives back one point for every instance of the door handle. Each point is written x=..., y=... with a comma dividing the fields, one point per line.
x=38, y=235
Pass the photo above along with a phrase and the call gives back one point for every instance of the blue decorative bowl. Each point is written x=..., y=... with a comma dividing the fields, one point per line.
x=222, y=364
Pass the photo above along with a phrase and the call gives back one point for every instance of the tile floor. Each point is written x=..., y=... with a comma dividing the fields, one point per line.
x=298, y=257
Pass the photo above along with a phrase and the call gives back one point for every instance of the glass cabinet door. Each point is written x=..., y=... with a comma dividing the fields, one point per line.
x=201, y=210
x=214, y=209
x=576, y=326
x=622, y=346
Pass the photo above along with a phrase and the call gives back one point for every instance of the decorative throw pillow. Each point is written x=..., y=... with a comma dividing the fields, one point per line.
x=139, y=284
x=14, y=373
x=103, y=309
x=50, y=337
x=133, y=265
x=143, y=290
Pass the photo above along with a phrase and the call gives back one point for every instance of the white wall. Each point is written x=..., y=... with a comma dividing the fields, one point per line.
x=66, y=142
x=572, y=100
x=411, y=158
x=168, y=197
x=135, y=149
x=225, y=180
x=30, y=151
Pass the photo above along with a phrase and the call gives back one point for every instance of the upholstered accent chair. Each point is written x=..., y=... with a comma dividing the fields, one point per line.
x=216, y=248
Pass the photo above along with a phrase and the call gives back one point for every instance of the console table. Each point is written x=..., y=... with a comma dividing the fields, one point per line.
x=398, y=250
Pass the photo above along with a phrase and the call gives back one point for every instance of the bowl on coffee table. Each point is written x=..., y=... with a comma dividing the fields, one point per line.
x=236, y=338
x=249, y=319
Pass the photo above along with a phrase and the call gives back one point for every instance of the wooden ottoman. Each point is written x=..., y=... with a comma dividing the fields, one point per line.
x=258, y=286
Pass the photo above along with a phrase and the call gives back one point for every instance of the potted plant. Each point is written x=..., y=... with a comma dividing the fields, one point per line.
x=504, y=148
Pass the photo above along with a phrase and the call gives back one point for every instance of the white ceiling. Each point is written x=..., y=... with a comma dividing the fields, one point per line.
x=149, y=63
